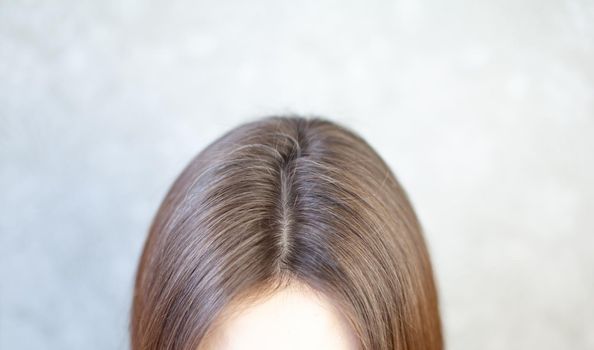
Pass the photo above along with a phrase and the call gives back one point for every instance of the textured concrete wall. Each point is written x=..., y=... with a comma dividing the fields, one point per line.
x=484, y=109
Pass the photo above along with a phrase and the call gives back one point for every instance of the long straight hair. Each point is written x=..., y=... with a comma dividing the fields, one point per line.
x=281, y=199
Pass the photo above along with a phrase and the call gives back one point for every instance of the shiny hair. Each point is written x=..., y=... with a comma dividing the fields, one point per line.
x=281, y=199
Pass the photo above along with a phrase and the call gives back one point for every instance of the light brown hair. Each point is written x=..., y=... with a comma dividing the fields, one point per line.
x=279, y=199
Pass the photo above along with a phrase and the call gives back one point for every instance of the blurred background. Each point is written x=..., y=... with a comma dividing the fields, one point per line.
x=484, y=110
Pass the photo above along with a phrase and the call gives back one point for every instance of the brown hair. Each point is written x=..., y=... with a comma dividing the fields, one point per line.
x=286, y=198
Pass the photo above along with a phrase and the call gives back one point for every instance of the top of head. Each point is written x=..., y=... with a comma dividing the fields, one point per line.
x=282, y=200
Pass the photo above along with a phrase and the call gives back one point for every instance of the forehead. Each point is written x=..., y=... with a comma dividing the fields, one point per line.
x=292, y=318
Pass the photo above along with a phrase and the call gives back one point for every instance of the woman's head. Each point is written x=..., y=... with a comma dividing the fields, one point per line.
x=277, y=203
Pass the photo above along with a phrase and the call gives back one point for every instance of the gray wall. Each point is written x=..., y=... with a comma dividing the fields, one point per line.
x=484, y=109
